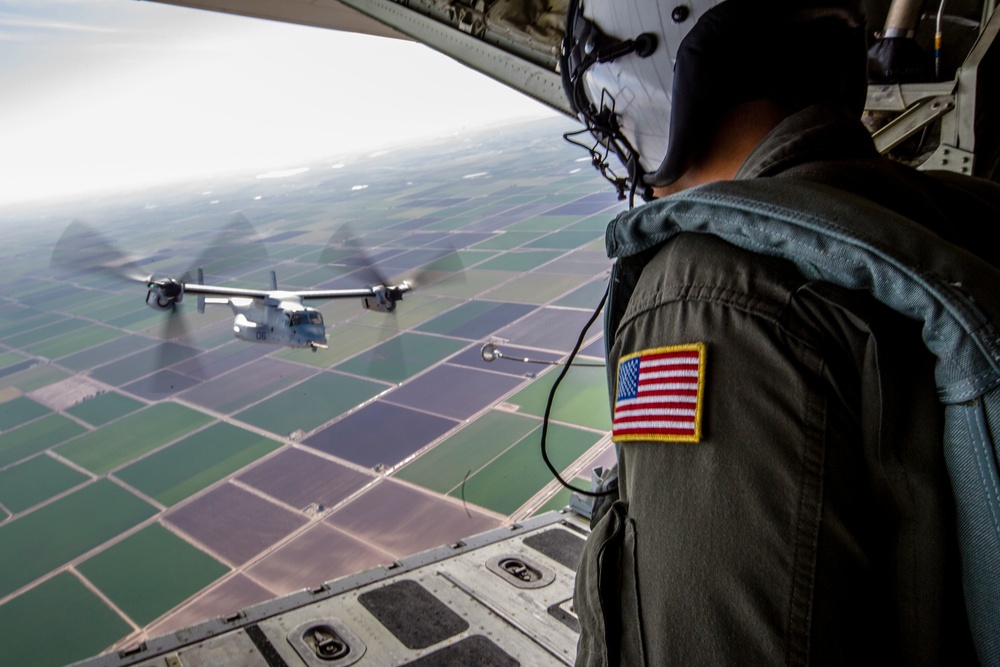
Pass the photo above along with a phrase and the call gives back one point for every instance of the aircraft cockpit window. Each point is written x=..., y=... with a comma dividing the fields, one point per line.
x=315, y=317
x=295, y=319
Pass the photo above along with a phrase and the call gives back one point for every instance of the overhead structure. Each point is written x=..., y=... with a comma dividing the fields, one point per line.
x=932, y=103
x=517, y=43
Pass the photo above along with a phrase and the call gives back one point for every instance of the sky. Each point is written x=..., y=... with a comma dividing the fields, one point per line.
x=108, y=95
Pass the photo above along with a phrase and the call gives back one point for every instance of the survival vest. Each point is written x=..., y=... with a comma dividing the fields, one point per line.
x=833, y=236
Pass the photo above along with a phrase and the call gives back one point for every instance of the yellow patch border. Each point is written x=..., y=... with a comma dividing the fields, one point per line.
x=702, y=351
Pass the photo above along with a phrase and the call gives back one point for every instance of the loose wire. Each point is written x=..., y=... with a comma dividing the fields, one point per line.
x=552, y=393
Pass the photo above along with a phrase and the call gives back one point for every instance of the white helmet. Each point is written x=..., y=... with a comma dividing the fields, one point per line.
x=648, y=78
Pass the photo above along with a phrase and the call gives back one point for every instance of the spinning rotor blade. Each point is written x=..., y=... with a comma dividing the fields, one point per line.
x=237, y=243
x=432, y=271
x=81, y=248
x=344, y=238
x=365, y=268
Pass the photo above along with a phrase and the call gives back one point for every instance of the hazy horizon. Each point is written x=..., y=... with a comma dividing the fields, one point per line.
x=106, y=94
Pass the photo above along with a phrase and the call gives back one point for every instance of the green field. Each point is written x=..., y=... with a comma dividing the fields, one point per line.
x=34, y=378
x=582, y=397
x=519, y=260
x=597, y=224
x=507, y=240
x=55, y=326
x=565, y=239
x=519, y=473
x=10, y=358
x=456, y=318
x=444, y=467
x=411, y=312
x=105, y=352
x=104, y=408
x=561, y=497
x=89, y=305
x=311, y=403
x=109, y=447
x=150, y=572
x=188, y=466
x=459, y=261
x=469, y=284
x=29, y=483
x=536, y=288
x=401, y=357
x=84, y=625
x=543, y=223
x=35, y=437
x=19, y=411
x=587, y=296
x=50, y=536
x=79, y=339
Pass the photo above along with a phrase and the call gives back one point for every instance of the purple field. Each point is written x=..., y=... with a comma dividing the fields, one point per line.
x=454, y=391
x=299, y=479
x=320, y=554
x=380, y=433
x=403, y=520
x=234, y=523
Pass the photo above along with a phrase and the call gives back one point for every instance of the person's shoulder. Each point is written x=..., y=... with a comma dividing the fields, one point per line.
x=694, y=266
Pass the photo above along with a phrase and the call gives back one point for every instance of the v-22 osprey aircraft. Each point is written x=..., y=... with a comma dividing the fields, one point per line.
x=273, y=316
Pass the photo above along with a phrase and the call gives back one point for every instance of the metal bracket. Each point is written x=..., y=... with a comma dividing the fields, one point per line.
x=912, y=121
x=948, y=158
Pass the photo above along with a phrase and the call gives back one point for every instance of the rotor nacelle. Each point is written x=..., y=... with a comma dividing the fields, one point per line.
x=164, y=294
x=384, y=298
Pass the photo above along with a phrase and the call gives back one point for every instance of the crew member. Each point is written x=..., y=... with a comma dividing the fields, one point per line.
x=784, y=499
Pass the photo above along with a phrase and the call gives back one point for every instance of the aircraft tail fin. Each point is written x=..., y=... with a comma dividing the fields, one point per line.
x=201, y=297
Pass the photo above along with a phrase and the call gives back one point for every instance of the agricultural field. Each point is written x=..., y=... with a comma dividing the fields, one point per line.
x=302, y=479
x=507, y=482
x=36, y=436
x=119, y=442
x=18, y=411
x=309, y=404
x=197, y=461
x=151, y=571
x=444, y=467
x=79, y=338
x=247, y=385
x=401, y=357
x=62, y=530
x=582, y=397
x=379, y=435
x=26, y=484
x=190, y=478
x=86, y=624
x=475, y=319
x=104, y=408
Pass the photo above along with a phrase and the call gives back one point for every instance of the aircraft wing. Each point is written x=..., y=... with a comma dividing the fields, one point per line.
x=238, y=292
x=516, y=43
x=225, y=292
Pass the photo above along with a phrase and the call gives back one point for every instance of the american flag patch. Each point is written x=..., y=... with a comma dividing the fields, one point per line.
x=659, y=394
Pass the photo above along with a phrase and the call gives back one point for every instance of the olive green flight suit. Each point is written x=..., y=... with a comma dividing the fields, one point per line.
x=813, y=521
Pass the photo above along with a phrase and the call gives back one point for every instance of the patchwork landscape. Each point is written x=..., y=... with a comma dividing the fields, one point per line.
x=146, y=485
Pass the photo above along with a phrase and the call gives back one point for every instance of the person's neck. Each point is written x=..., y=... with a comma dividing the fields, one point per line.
x=737, y=134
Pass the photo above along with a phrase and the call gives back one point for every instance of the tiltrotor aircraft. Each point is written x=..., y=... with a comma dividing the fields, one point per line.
x=273, y=316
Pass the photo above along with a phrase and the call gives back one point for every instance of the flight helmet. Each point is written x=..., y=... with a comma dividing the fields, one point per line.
x=649, y=78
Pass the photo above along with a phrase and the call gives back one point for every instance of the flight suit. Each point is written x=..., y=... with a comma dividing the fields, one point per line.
x=807, y=518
